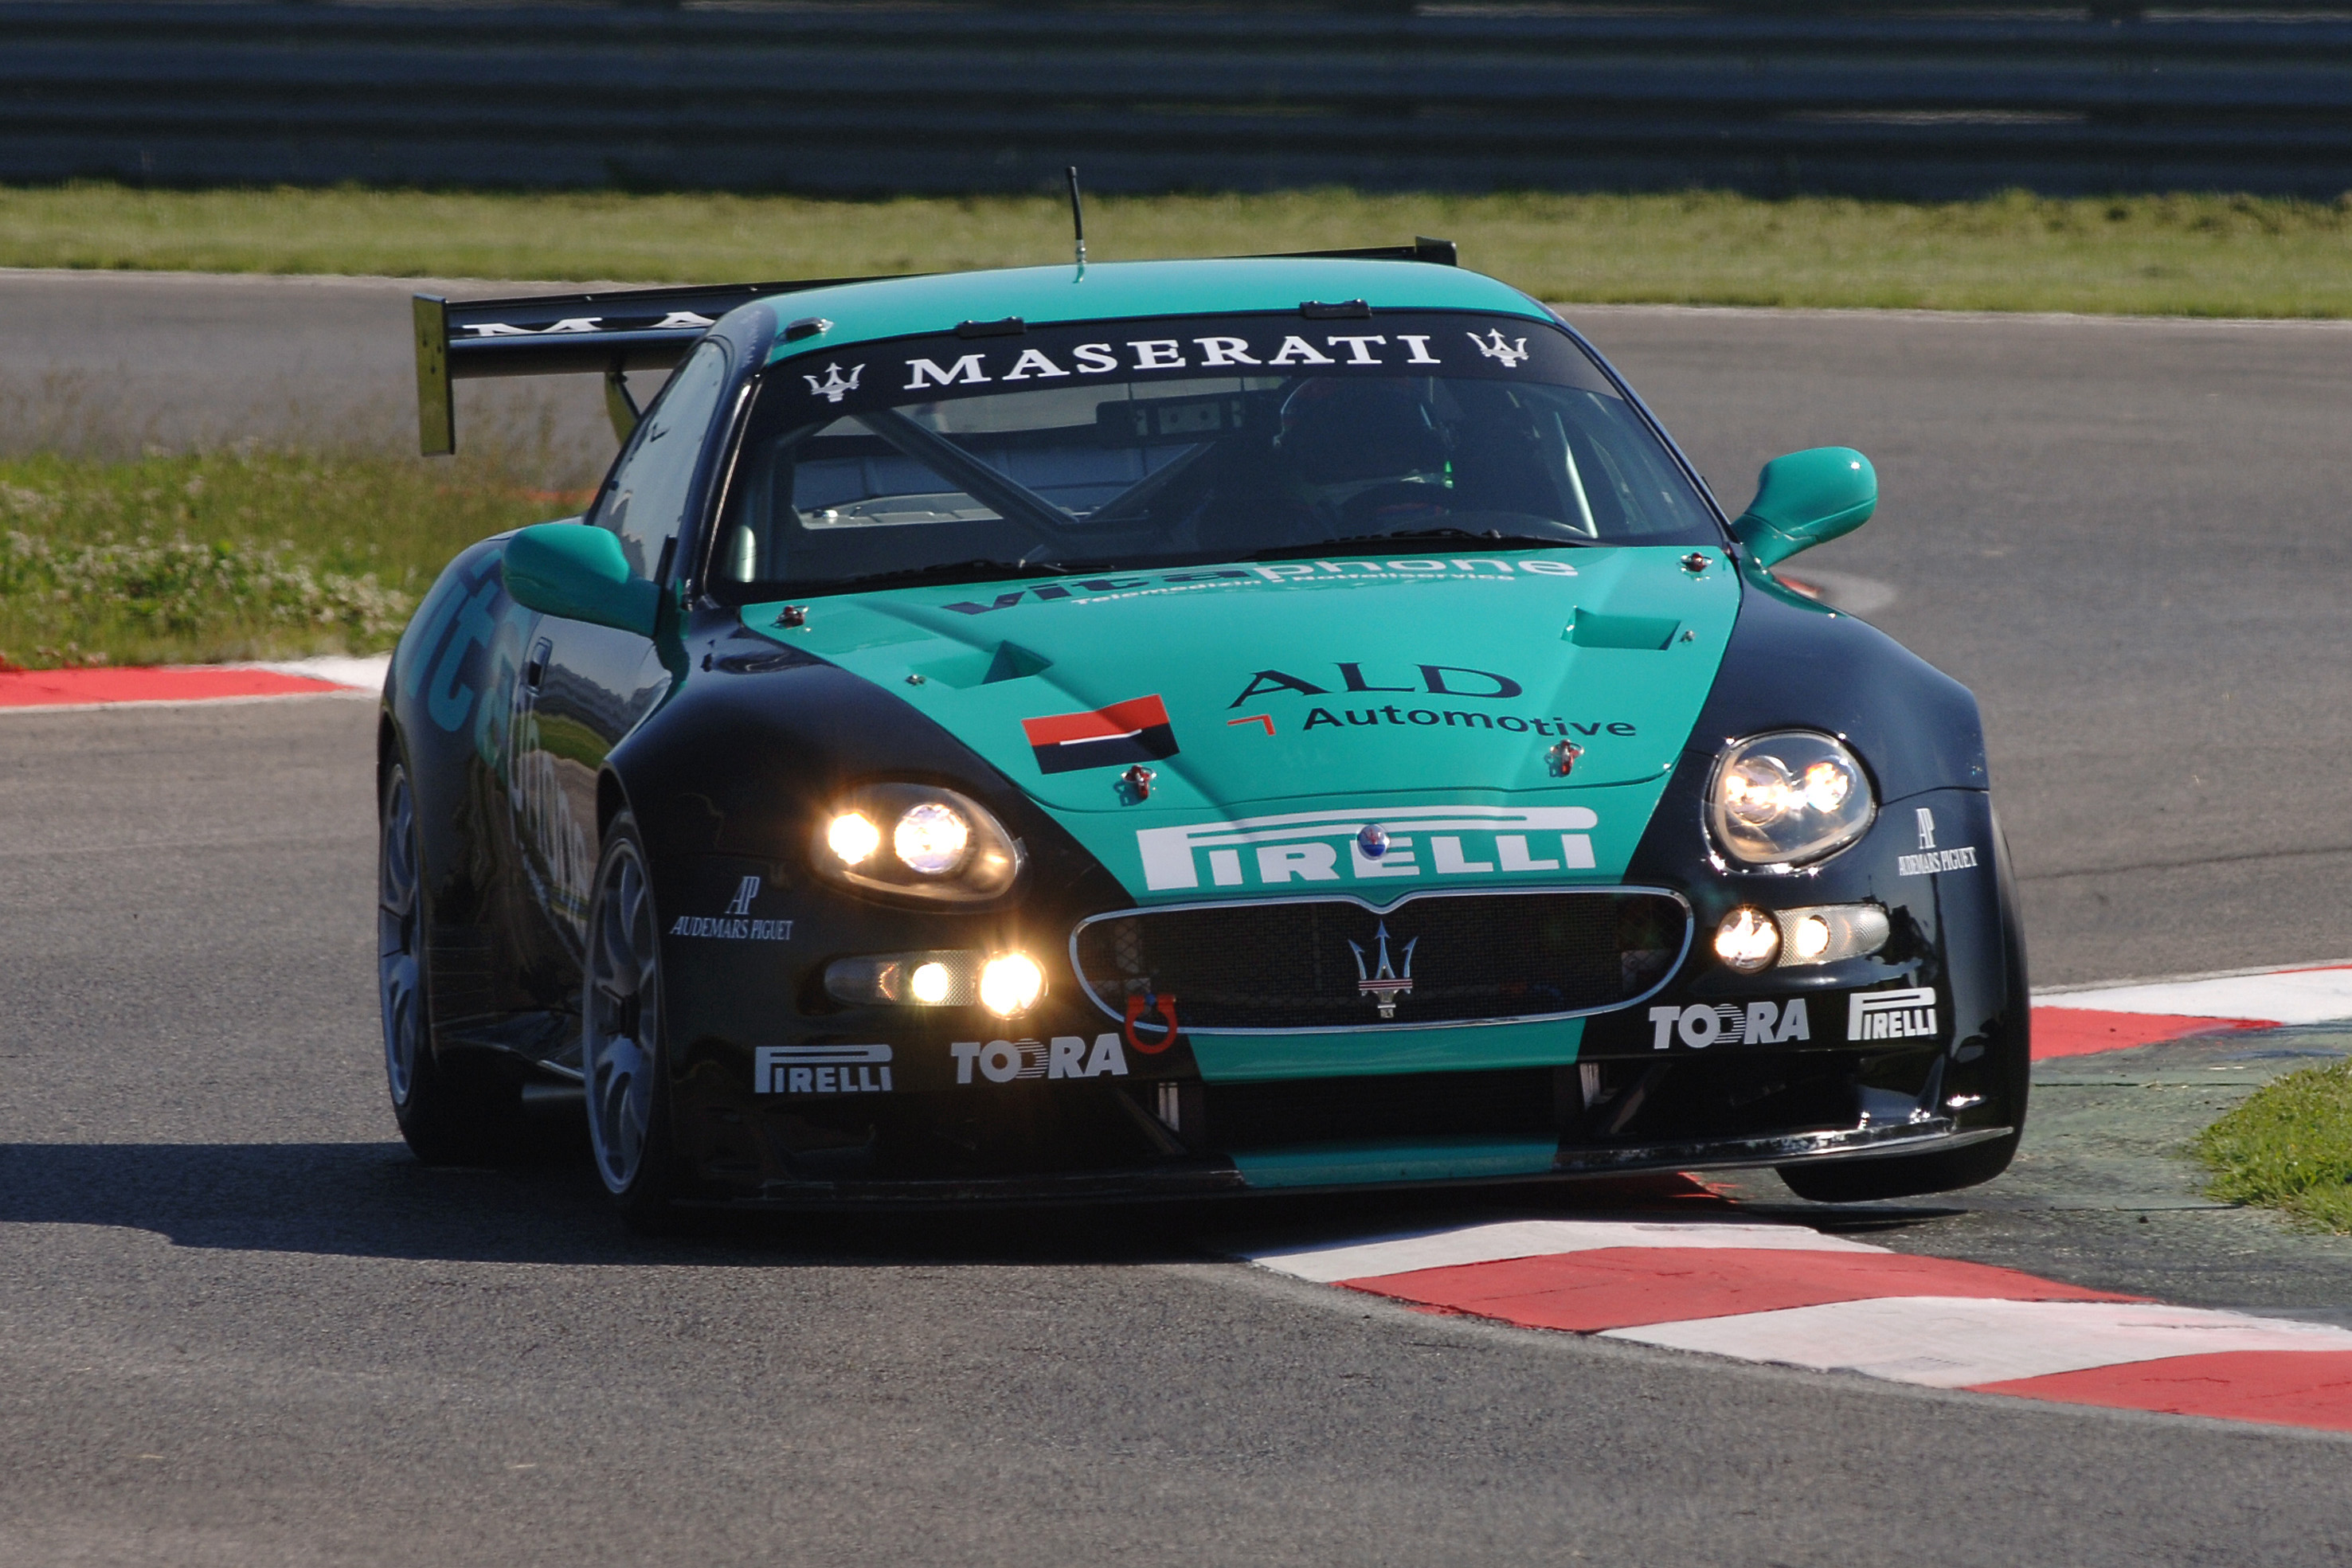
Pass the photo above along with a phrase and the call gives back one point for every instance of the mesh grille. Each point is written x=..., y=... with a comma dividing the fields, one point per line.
x=1469, y=958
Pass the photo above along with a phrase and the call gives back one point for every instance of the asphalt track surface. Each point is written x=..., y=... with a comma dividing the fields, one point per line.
x=237, y=1324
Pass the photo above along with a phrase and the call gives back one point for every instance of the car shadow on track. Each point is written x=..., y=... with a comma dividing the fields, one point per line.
x=375, y=1200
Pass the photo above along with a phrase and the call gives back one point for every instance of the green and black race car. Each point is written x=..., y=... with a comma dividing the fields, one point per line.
x=1171, y=729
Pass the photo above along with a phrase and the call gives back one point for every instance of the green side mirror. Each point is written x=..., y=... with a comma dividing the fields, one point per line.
x=576, y=571
x=1807, y=498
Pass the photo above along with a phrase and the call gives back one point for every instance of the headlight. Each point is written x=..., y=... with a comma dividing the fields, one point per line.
x=1789, y=797
x=916, y=839
x=852, y=838
x=932, y=839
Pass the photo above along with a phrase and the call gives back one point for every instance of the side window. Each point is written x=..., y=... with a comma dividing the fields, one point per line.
x=649, y=494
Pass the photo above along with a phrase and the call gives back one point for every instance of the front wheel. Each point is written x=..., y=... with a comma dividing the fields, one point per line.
x=622, y=1051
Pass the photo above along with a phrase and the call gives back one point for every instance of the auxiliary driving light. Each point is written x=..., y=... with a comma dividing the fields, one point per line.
x=1809, y=938
x=937, y=978
x=1006, y=984
x=1829, y=932
x=1010, y=983
x=1747, y=940
x=1752, y=940
x=931, y=983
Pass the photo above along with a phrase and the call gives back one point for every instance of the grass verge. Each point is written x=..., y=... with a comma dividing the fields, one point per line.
x=235, y=554
x=2289, y=1146
x=2192, y=254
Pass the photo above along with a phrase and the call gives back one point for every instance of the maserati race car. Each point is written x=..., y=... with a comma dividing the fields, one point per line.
x=1169, y=729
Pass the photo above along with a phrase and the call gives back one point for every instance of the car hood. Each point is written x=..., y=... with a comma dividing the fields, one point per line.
x=1313, y=689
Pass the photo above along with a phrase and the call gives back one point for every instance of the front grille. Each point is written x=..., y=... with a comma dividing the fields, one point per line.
x=1315, y=964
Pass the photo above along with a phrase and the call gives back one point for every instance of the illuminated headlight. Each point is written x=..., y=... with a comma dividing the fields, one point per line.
x=1010, y=983
x=932, y=839
x=852, y=838
x=940, y=844
x=1787, y=798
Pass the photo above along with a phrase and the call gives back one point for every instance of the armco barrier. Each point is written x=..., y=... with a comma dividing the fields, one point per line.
x=1896, y=98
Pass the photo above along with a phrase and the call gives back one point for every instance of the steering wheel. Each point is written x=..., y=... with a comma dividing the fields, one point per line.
x=1399, y=503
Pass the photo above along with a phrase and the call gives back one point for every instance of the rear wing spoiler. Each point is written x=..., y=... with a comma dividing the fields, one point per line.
x=619, y=330
x=612, y=332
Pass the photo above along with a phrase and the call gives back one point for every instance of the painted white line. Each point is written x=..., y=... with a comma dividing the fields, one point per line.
x=336, y=694
x=361, y=674
x=2055, y=996
x=1945, y=1341
x=2286, y=995
x=1532, y=1239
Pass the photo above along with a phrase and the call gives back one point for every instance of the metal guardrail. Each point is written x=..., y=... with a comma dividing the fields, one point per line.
x=1900, y=97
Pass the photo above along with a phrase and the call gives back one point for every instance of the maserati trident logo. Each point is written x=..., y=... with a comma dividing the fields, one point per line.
x=1384, y=984
x=1500, y=348
x=833, y=387
x=745, y=892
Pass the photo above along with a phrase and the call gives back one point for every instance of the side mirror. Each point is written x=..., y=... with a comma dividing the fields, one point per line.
x=1807, y=498
x=576, y=571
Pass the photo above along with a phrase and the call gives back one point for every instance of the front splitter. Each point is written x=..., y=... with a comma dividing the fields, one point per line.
x=1224, y=1177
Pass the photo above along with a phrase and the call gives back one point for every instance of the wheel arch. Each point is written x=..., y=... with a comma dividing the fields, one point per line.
x=611, y=799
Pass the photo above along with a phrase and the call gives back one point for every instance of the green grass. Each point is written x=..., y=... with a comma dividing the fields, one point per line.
x=2181, y=255
x=248, y=554
x=233, y=555
x=2289, y=1146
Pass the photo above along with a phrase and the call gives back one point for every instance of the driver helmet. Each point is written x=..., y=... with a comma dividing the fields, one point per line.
x=1341, y=430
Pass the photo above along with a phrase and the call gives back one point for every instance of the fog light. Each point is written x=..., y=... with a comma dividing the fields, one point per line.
x=1747, y=940
x=1010, y=983
x=853, y=838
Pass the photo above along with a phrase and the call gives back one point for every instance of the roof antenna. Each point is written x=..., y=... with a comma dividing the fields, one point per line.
x=1077, y=216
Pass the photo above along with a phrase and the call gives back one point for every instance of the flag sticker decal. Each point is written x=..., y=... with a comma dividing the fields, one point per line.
x=1132, y=731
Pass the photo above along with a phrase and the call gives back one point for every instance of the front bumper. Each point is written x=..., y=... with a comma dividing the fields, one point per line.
x=1911, y=1050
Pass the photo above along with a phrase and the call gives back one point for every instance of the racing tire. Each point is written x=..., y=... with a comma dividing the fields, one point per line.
x=622, y=1053
x=451, y=1111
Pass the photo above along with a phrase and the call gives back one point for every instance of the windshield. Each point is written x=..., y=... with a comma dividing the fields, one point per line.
x=1005, y=450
